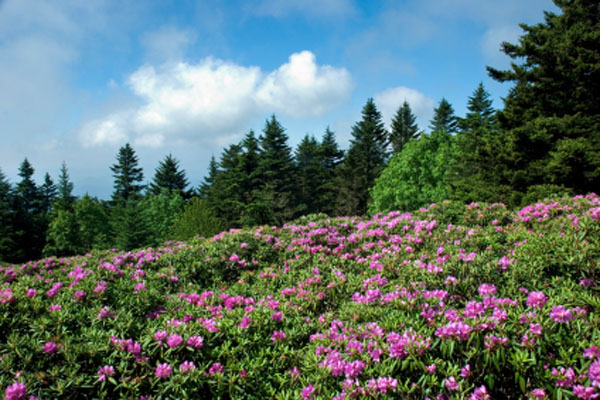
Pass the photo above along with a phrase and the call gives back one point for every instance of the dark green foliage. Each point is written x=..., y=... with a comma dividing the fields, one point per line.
x=444, y=118
x=328, y=182
x=209, y=180
x=417, y=176
x=364, y=161
x=64, y=196
x=29, y=227
x=127, y=176
x=251, y=209
x=197, y=218
x=63, y=236
x=225, y=195
x=477, y=175
x=168, y=176
x=276, y=173
x=404, y=127
x=308, y=172
x=551, y=117
x=6, y=219
x=48, y=193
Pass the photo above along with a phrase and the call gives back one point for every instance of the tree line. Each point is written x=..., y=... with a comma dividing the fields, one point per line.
x=545, y=141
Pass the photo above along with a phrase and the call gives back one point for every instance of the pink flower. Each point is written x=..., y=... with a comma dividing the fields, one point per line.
x=30, y=293
x=594, y=373
x=537, y=394
x=160, y=336
x=139, y=287
x=195, y=342
x=55, y=307
x=466, y=371
x=451, y=383
x=50, y=347
x=245, y=324
x=278, y=335
x=186, y=367
x=79, y=295
x=486, y=289
x=278, y=316
x=174, y=340
x=480, y=394
x=163, y=370
x=16, y=391
x=216, y=368
x=105, y=312
x=308, y=392
x=536, y=299
x=585, y=392
x=243, y=374
x=294, y=372
x=560, y=314
x=105, y=372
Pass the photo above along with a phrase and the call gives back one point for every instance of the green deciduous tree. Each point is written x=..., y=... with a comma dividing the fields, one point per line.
x=197, y=218
x=404, y=127
x=161, y=211
x=93, y=220
x=364, y=161
x=417, y=176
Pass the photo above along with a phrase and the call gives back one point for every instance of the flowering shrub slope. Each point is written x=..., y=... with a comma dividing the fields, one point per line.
x=451, y=301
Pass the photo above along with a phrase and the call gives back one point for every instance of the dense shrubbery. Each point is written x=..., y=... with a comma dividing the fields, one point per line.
x=449, y=301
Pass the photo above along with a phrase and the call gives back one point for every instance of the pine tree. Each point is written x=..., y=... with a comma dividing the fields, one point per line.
x=29, y=223
x=444, y=118
x=127, y=176
x=64, y=197
x=404, y=127
x=225, y=194
x=252, y=212
x=6, y=219
x=364, y=161
x=276, y=172
x=309, y=169
x=551, y=117
x=47, y=194
x=328, y=183
x=209, y=180
x=481, y=114
x=168, y=176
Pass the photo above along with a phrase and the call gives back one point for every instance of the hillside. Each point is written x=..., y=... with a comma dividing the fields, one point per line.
x=449, y=301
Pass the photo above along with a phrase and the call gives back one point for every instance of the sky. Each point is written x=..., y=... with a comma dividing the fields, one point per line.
x=79, y=79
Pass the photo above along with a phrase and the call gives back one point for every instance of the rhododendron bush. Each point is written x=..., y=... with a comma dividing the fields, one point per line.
x=447, y=302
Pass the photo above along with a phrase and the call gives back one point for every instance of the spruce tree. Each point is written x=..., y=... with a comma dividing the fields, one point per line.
x=29, y=220
x=6, y=219
x=276, y=173
x=48, y=193
x=404, y=127
x=252, y=212
x=168, y=176
x=364, y=161
x=444, y=118
x=225, y=193
x=209, y=180
x=64, y=196
x=551, y=116
x=127, y=176
x=331, y=156
x=309, y=169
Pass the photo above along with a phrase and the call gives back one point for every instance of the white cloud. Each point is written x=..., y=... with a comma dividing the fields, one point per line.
x=316, y=8
x=389, y=100
x=205, y=101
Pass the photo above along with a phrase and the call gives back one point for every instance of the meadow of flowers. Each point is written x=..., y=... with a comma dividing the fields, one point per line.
x=448, y=302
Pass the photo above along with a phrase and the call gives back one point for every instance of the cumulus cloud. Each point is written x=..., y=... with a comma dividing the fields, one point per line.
x=389, y=100
x=205, y=101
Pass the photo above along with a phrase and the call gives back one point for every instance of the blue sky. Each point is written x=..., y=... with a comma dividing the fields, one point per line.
x=78, y=79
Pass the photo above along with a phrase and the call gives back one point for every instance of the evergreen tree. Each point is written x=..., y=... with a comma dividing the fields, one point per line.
x=444, y=118
x=276, y=174
x=309, y=169
x=127, y=176
x=252, y=212
x=29, y=222
x=364, y=161
x=129, y=225
x=328, y=182
x=404, y=127
x=168, y=176
x=64, y=197
x=224, y=196
x=551, y=117
x=6, y=219
x=47, y=194
x=474, y=176
x=209, y=180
